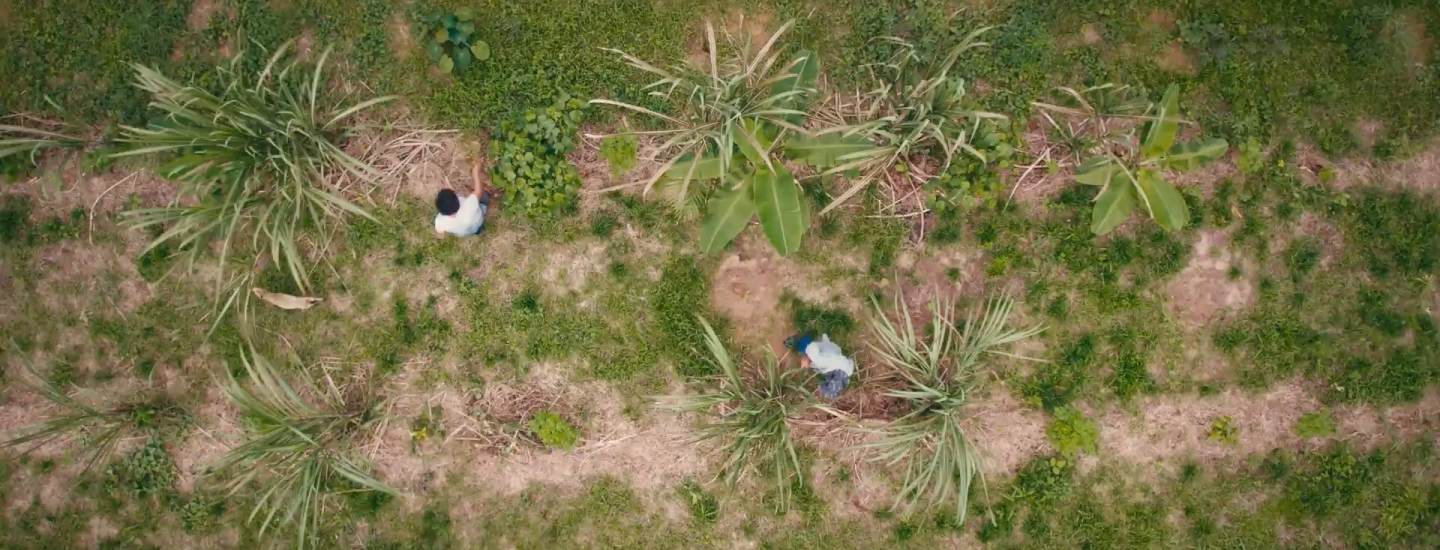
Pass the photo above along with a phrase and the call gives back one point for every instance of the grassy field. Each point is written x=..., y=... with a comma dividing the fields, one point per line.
x=1266, y=377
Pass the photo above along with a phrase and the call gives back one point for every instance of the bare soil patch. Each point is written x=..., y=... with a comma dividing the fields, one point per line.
x=401, y=42
x=1419, y=173
x=1160, y=20
x=750, y=282
x=202, y=11
x=1204, y=291
x=74, y=269
x=304, y=44
x=1174, y=59
x=757, y=26
x=217, y=430
x=567, y=269
x=1009, y=432
x=1407, y=31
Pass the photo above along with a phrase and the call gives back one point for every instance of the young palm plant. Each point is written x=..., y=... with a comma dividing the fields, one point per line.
x=734, y=118
x=916, y=108
x=939, y=372
x=1126, y=165
x=100, y=424
x=750, y=416
x=300, y=448
x=251, y=161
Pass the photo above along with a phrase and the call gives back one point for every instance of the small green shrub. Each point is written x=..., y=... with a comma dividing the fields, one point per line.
x=1057, y=383
x=1224, y=430
x=1071, y=433
x=704, y=508
x=1315, y=424
x=554, y=431
x=448, y=40
x=968, y=184
x=1252, y=157
x=619, y=151
x=530, y=164
x=429, y=424
x=199, y=514
x=146, y=471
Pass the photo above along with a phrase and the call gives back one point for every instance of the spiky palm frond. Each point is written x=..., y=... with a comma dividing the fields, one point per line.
x=916, y=107
x=750, y=417
x=99, y=425
x=251, y=161
x=299, y=451
x=939, y=371
x=25, y=146
x=1091, y=117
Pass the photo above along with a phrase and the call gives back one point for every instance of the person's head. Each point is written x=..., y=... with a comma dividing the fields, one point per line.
x=447, y=203
x=799, y=342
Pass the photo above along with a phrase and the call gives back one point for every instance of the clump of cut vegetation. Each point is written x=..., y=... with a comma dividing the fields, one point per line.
x=1127, y=165
x=252, y=161
x=749, y=414
x=940, y=371
x=300, y=450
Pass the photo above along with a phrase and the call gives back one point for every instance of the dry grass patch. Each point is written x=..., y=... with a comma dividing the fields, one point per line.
x=1204, y=291
x=1165, y=428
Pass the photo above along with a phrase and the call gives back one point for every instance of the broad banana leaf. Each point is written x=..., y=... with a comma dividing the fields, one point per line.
x=826, y=151
x=1097, y=170
x=1160, y=133
x=804, y=69
x=1113, y=206
x=1164, y=201
x=729, y=211
x=1194, y=153
x=778, y=201
x=707, y=168
x=754, y=140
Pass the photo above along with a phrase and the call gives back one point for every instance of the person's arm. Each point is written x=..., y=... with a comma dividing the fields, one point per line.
x=440, y=234
x=475, y=174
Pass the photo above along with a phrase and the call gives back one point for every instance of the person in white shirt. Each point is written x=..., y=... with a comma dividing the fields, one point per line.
x=826, y=359
x=462, y=217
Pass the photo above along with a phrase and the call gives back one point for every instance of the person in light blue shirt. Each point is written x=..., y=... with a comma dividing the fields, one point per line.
x=826, y=359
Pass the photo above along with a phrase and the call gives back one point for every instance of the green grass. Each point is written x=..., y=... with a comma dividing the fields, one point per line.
x=544, y=47
x=1359, y=323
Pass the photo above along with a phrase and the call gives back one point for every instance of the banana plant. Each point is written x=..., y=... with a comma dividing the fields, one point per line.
x=735, y=120
x=1132, y=176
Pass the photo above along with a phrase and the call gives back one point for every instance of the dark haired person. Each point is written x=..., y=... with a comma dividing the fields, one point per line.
x=459, y=216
